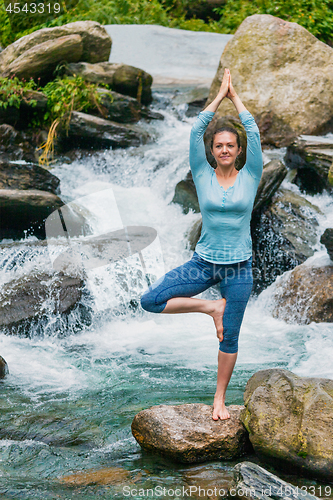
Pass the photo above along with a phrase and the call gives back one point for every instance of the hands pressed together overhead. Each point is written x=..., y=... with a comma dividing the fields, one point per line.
x=227, y=89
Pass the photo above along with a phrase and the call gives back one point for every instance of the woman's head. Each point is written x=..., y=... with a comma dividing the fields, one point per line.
x=226, y=146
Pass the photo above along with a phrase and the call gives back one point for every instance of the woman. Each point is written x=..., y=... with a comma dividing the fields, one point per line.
x=224, y=251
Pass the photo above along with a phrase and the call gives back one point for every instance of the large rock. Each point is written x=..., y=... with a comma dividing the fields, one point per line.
x=186, y=194
x=275, y=66
x=252, y=482
x=27, y=176
x=15, y=145
x=3, y=368
x=283, y=236
x=124, y=109
x=122, y=78
x=25, y=211
x=33, y=297
x=312, y=157
x=305, y=295
x=273, y=174
x=92, y=131
x=96, y=43
x=187, y=433
x=290, y=421
x=41, y=60
x=327, y=240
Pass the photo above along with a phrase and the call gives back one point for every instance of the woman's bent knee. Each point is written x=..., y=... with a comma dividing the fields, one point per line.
x=148, y=303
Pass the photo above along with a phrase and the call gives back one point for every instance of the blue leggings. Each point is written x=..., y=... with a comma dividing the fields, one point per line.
x=197, y=275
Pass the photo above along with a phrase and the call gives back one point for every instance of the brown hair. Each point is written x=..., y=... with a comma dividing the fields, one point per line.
x=232, y=130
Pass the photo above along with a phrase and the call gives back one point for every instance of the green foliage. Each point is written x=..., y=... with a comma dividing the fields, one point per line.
x=102, y=11
x=314, y=15
x=68, y=94
x=13, y=92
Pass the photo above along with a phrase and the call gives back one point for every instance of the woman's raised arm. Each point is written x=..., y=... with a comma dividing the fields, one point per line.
x=222, y=93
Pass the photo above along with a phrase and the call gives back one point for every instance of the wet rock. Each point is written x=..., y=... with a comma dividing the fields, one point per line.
x=125, y=109
x=3, y=368
x=25, y=211
x=41, y=60
x=273, y=174
x=312, y=157
x=330, y=175
x=274, y=65
x=96, y=132
x=109, y=475
x=305, y=295
x=33, y=102
x=95, y=41
x=289, y=420
x=252, y=482
x=207, y=482
x=15, y=145
x=327, y=240
x=124, y=79
x=195, y=99
x=186, y=194
x=25, y=176
x=283, y=237
x=187, y=433
x=33, y=297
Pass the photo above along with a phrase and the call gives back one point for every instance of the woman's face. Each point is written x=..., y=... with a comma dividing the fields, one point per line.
x=225, y=149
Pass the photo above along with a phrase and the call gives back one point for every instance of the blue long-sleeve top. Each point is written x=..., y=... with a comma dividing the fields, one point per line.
x=226, y=214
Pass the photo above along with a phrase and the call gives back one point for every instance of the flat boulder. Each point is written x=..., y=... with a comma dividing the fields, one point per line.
x=95, y=132
x=125, y=109
x=41, y=60
x=32, y=297
x=305, y=295
x=312, y=157
x=274, y=66
x=187, y=433
x=24, y=212
x=27, y=176
x=96, y=43
x=290, y=421
x=122, y=78
x=252, y=482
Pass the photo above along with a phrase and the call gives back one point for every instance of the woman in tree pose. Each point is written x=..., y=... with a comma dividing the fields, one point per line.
x=223, y=253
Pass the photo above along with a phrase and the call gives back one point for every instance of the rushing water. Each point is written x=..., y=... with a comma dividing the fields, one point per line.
x=71, y=395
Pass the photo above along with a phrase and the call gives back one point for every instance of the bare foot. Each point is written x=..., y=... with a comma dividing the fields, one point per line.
x=220, y=410
x=217, y=311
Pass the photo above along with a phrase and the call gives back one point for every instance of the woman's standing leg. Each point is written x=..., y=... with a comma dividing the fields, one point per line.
x=236, y=287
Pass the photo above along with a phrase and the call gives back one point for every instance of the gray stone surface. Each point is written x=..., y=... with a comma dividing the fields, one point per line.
x=171, y=56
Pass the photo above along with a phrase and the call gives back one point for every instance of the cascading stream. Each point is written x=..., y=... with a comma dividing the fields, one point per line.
x=69, y=400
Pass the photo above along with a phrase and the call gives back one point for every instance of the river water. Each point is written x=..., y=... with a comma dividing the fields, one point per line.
x=74, y=386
